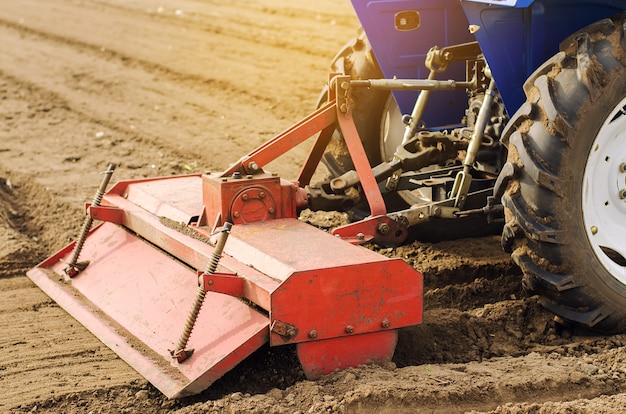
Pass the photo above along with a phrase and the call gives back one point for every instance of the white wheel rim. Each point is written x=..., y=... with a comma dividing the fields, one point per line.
x=604, y=192
x=392, y=130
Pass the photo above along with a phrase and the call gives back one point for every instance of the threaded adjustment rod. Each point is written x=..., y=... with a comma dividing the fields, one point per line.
x=74, y=267
x=180, y=353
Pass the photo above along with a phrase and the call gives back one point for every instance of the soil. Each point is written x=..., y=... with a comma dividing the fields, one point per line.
x=173, y=87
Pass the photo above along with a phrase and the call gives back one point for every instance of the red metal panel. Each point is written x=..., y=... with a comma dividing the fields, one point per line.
x=348, y=300
x=177, y=198
x=323, y=357
x=193, y=252
x=327, y=284
x=294, y=246
x=136, y=300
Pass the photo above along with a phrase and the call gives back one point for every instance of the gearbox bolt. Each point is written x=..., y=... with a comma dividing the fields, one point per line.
x=385, y=323
x=349, y=329
x=313, y=334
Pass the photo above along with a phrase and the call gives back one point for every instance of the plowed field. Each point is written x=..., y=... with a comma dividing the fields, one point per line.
x=173, y=87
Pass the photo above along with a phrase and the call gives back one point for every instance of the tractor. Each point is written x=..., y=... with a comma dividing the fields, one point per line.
x=441, y=119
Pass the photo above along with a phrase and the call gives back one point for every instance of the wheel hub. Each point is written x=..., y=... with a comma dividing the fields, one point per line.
x=604, y=194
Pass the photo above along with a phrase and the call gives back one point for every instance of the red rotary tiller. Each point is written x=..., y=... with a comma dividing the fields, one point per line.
x=267, y=276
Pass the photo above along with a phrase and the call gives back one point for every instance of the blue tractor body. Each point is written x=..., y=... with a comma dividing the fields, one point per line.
x=534, y=128
x=516, y=37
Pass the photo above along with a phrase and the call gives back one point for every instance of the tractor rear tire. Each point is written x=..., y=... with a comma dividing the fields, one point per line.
x=565, y=191
x=357, y=60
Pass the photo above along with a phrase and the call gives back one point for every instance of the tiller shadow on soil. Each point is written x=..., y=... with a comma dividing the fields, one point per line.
x=141, y=290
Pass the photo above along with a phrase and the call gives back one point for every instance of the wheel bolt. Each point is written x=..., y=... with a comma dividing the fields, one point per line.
x=622, y=194
x=594, y=230
x=622, y=167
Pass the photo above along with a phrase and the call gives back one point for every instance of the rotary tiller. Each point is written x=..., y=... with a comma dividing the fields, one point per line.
x=186, y=276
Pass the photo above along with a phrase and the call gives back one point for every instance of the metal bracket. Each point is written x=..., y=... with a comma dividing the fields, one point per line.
x=109, y=214
x=225, y=283
x=287, y=331
x=379, y=229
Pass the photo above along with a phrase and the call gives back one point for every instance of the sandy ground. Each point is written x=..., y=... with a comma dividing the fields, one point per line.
x=171, y=87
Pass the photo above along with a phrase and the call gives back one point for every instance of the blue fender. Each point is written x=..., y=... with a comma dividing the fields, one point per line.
x=516, y=37
x=517, y=40
x=401, y=54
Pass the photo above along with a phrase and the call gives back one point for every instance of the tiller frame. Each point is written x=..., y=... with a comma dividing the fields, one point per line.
x=278, y=280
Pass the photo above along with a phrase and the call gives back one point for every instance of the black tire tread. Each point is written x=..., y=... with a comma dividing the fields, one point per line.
x=539, y=141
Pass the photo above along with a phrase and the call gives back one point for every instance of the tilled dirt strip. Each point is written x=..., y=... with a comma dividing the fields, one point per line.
x=46, y=353
x=186, y=86
x=439, y=388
